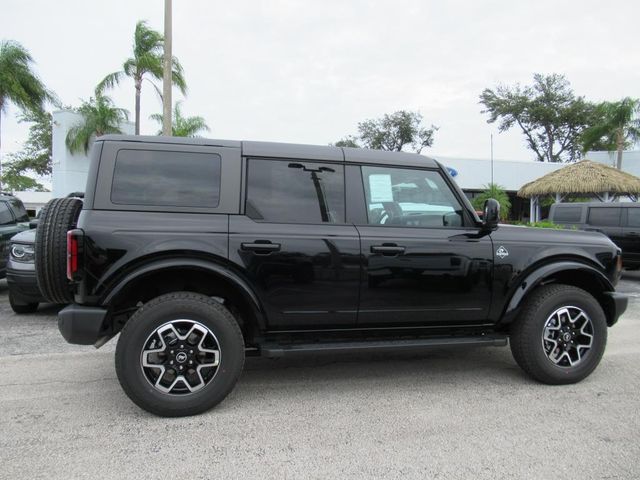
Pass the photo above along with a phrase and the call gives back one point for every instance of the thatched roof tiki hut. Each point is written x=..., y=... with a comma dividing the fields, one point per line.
x=585, y=178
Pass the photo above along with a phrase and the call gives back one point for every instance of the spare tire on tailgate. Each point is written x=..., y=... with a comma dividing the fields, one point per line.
x=58, y=216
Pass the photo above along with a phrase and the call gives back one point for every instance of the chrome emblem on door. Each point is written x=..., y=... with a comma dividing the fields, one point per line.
x=502, y=252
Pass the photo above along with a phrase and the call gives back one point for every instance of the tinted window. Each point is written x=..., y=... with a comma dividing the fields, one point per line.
x=634, y=217
x=175, y=179
x=408, y=197
x=564, y=214
x=5, y=214
x=295, y=192
x=18, y=210
x=605, y=216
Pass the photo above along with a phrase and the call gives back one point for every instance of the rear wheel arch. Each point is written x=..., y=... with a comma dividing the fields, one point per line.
x=186, y=275
x=573, y=273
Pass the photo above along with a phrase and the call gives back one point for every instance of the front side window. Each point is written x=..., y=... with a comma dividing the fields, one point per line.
x=18, y=210
x=5, y=214
x=410, y=198
x=295, y=192
x=172, y=179
x=567, y=214
x=605, y=216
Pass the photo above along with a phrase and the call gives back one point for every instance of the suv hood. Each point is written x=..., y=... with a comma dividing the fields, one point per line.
x=26, y=236
x=558, y=236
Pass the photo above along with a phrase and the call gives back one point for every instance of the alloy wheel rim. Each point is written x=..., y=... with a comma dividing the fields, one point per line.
x=567, y=336
x=180, y=357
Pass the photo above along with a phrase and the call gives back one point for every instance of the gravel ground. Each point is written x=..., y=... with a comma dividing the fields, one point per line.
x=457, y=413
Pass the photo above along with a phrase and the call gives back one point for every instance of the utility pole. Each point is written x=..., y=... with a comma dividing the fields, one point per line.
x=492, y=158
x=166, y=77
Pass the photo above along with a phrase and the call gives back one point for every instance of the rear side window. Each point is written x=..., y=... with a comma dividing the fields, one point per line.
x=173, y=179
x=18, y=210
x=604, y=216
x=295, y=192
x=5, y=214
x=567, y=214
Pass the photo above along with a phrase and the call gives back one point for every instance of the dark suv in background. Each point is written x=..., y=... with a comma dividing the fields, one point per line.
x=618, y=221
x=199, y=252
x=13, y=219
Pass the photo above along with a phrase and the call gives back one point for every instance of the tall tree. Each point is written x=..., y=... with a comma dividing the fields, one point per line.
x=99, y=117
x=18, y=83
x=548, y=113
x=182, y=126
x=147, y=60
x=616, y=127
x=394, y=131
x=35, y=157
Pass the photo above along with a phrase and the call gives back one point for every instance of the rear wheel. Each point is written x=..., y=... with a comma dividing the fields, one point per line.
x=57, y=218
x=180, y=354
x=560, y=336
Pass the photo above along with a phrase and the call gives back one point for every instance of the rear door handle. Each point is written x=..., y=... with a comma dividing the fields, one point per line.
x=387, y=249
x=633, y=234
x=261, y=247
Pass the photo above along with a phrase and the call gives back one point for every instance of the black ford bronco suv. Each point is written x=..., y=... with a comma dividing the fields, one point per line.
x=199, y=252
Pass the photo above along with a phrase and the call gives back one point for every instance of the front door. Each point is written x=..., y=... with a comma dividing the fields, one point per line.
x=294, y=245
x=422, y=265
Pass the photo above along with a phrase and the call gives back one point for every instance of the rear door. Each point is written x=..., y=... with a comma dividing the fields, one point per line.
x=422, y=265
x=294, y=245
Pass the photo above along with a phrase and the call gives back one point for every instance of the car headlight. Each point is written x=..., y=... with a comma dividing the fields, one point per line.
x=22, y=253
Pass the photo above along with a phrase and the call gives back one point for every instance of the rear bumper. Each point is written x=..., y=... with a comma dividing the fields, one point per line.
x=82, y=325
x=617, y=305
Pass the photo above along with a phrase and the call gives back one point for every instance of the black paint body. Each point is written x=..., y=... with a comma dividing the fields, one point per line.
x=296, y=278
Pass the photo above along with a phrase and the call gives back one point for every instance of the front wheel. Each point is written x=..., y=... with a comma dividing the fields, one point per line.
x=20, y=307
x=560, y=335
x=180, y=354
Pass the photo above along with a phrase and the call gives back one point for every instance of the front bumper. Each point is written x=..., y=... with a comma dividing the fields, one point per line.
x=82, y=325
x=617, y=304
x=23, y=286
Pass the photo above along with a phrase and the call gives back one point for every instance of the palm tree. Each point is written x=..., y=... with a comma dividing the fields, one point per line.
x=18, y=83
x=493, y=190
x=617, y=126
x=148, y=46
x=99, y=117
x=183, y=126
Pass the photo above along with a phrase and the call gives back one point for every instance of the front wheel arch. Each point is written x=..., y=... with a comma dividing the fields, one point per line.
x=571, y=273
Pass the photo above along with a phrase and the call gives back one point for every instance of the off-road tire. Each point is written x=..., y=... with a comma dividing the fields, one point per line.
x=526, y=334
x=58, y=217
x=153, y=315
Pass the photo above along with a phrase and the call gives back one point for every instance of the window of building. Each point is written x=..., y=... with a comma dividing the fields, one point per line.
x=409, y=197
x=159, y=178
x=604, y=216
x=295, y=192
x=564, y=214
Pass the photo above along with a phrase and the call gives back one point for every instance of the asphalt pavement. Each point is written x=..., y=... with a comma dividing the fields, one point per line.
x=464, y=413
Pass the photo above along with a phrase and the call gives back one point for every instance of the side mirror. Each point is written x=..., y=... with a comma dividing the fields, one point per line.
x=491, y=214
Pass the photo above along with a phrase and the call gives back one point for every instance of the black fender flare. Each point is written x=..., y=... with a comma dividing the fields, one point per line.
x=537, y=276
x=195, y=263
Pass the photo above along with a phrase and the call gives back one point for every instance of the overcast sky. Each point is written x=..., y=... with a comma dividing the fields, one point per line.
x=309, y=71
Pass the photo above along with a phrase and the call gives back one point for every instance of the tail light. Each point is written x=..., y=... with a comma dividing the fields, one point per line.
x=73, y=253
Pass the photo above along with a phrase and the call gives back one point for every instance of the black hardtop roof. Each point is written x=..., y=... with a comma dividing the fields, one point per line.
x=289, y=150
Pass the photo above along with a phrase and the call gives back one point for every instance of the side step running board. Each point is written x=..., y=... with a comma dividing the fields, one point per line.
x=278, y=350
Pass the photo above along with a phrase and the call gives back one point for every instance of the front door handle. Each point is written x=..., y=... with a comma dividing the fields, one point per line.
x=387, y=249
x=261, y=247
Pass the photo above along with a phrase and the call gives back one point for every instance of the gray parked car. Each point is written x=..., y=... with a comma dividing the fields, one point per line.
x=618, y=221
x=24, y=294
